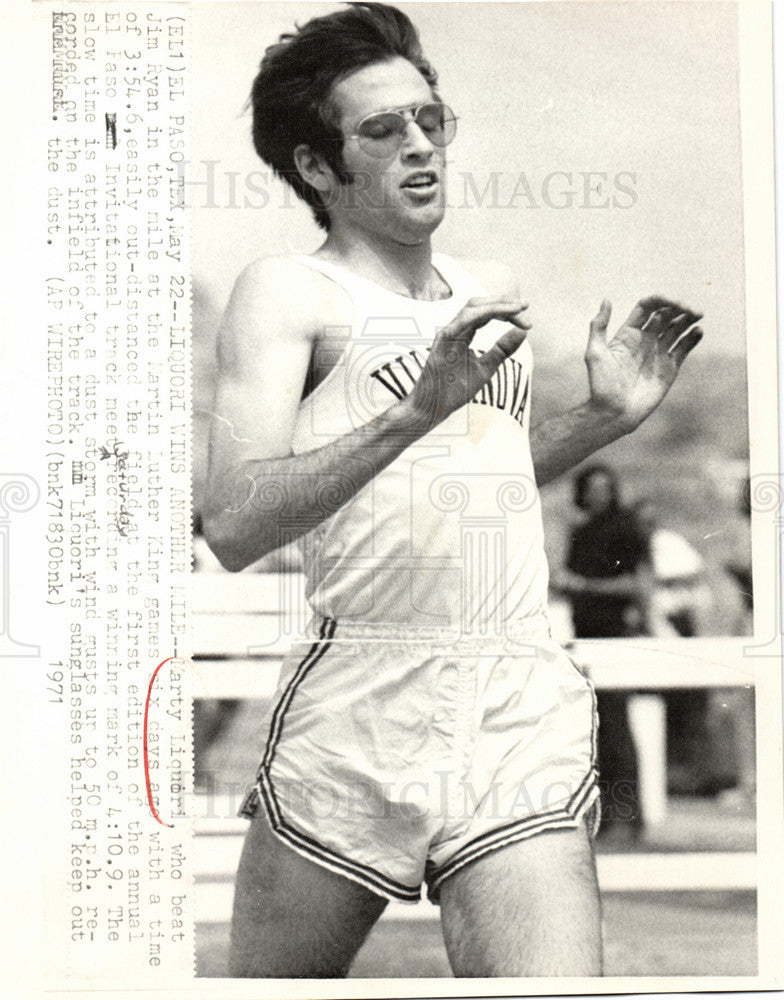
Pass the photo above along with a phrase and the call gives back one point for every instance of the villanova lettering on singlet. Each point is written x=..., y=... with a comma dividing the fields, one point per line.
x=450, y=532
x=507, y=390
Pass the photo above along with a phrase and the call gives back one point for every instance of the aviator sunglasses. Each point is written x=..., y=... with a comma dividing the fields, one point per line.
x=381, y=133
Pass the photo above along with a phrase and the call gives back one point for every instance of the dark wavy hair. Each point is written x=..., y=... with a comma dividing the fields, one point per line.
x=290, y=95
x=583, y=477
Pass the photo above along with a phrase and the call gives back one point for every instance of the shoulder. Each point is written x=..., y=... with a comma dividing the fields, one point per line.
x=495, y=277
x=282, y=297
x=285, y=280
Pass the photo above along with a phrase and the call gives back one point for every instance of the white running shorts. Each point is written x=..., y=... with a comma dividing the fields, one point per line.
x=394, y=762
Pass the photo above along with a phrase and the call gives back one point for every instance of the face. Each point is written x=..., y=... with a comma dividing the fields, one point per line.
x=598, y=493
x=399, y=197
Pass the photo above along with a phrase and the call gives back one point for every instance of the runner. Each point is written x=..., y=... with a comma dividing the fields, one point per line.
x=374, y=402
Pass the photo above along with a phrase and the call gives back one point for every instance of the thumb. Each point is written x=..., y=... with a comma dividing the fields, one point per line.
x=601, y=320
x=597, y=338
x=503, y=348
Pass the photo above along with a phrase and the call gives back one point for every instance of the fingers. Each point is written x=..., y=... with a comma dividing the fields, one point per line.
x=477, y=312
x=639, y=316
x=677, y=326
x=672, y=325
x=659, y=320
x=502, y=349
x=662, y=317
x=685, y=345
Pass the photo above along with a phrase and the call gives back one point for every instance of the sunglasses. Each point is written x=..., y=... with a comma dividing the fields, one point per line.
x=381, y=134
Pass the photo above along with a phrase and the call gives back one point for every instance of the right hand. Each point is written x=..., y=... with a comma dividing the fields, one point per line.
x=454, y=373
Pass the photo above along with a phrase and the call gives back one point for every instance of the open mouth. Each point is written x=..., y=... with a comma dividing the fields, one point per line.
x=423, y=181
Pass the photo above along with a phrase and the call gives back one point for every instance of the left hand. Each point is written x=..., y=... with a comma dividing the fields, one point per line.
x=631, y=374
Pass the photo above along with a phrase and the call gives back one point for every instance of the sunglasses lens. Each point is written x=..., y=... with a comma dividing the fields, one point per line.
x=438, y=123
x=379, y=135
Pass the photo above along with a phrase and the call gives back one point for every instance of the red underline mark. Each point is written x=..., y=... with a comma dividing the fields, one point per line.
x=150, y=802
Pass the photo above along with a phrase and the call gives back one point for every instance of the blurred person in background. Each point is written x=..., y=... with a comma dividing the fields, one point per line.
x=608, y=580
x=680, y=595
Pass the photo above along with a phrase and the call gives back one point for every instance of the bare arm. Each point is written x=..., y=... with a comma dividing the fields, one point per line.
x=628, y=376
x=260, y=495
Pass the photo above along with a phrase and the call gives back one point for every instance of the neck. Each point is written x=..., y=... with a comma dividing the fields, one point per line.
x=402, y=268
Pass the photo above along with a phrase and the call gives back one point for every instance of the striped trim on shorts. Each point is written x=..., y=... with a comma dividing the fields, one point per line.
x=367, y=690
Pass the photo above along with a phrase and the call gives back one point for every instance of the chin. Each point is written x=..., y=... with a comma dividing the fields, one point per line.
x=417, y=230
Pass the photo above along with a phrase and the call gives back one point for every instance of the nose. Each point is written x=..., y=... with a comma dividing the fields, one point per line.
x=415, y=142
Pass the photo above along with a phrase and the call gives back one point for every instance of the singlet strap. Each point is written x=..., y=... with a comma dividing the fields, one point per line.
x=461, y=283
x=340, y=275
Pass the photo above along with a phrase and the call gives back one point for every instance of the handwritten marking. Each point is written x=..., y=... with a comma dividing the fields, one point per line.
x=111, y=130
x=122, y=518
x=147, y=782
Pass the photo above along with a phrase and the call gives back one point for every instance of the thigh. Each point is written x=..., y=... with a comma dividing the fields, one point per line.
x=294, y=918
x=528, y=909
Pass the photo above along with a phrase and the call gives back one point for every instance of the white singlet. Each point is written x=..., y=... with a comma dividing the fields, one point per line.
x=449, y=535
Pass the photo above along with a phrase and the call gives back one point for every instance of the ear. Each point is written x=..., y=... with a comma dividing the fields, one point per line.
x=313, y=168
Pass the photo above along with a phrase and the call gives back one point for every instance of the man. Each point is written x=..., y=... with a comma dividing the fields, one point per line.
x=608, y=574
x=371, y=404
